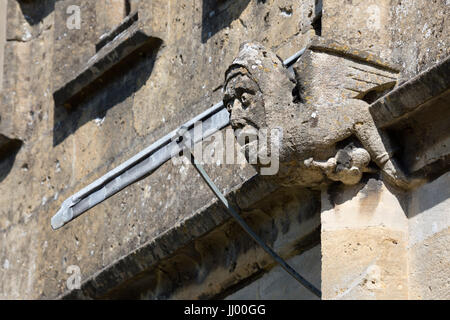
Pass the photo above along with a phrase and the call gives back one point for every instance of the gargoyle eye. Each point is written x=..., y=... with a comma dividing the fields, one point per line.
x=245, y=99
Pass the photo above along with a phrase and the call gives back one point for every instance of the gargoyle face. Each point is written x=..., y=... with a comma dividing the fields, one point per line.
x=245, y=103
x=258, y=92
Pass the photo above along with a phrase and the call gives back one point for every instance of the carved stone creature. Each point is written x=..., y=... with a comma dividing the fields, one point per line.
x=319, y=107
x=347, y=166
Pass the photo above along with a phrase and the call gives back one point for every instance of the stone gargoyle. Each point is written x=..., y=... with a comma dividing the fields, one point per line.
x=322, y=107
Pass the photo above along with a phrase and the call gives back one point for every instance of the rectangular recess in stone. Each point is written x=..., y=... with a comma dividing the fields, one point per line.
x=116, y=52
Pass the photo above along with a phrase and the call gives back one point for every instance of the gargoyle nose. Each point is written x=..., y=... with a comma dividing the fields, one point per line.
x=237, y=114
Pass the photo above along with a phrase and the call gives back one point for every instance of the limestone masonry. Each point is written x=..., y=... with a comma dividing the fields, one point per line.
x=359, y=203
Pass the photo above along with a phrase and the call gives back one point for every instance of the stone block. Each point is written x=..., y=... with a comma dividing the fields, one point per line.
x=364, y=243
x=361, y=24
x=429, y=235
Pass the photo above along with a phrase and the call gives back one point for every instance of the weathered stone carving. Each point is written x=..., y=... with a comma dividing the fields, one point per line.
x=320, y=107
x=347, y=166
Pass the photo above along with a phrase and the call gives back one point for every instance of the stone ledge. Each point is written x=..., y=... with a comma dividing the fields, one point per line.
x=412, y=95
x=109, y=37
x=116, y=51
x=330, y=46
x=148, y=254
x=205, y=230
x=416, y=115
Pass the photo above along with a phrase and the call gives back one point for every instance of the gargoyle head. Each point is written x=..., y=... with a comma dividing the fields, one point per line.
x=255, y=92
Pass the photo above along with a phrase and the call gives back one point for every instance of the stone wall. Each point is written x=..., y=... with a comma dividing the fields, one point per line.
x=380, y=244
x=64, y=151
x=153, y=223
x=364, y=243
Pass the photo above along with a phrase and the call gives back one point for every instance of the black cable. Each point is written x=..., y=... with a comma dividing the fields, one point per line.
x=249, y=230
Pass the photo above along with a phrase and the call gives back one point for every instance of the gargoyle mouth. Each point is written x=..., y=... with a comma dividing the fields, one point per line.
x=246, y=134
x=247, y=137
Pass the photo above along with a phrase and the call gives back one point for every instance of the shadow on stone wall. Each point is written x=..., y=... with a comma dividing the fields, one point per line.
x=8, y=153
x=35, y=11
x=218, y=14
x=120, y=85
